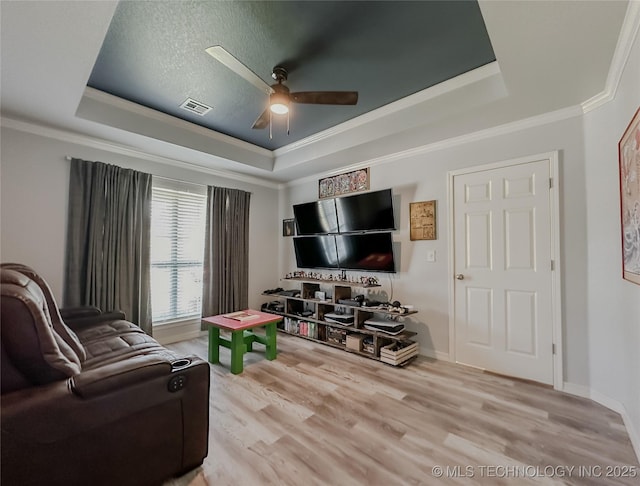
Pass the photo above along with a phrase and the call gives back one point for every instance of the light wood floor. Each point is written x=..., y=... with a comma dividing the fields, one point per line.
x=320, y=416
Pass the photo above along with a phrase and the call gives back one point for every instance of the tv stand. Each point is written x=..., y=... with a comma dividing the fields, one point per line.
x=305, y=316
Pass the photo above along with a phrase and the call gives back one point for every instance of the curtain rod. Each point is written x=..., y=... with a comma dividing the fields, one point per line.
x=68, y=157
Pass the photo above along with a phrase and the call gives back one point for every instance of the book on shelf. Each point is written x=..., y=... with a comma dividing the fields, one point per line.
x=241, y=316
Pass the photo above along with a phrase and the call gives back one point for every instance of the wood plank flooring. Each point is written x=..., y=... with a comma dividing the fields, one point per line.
x=320, y=416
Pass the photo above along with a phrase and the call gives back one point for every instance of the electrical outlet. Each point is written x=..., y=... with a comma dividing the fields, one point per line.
x=431, y=256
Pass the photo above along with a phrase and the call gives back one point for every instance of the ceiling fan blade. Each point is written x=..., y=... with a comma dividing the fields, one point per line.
x=263, y=120
x=325, y=97
x=224, y=57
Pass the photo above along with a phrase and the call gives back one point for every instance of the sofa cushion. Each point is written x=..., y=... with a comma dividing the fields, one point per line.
x=39, y=353
x=115, y=341
x=12, y=378
x=105, y=330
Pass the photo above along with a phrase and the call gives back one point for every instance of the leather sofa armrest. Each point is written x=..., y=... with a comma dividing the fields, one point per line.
x=76, y=312
x=77, y=323
x=54, y=412
x=119, y=375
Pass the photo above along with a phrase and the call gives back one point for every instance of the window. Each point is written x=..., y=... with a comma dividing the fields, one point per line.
x=178, y=212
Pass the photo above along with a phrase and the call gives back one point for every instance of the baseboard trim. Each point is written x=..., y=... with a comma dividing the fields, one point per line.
x=433, y=354
x=577, y=390
x=178, y=331
x=180, y=337
x=611, y=404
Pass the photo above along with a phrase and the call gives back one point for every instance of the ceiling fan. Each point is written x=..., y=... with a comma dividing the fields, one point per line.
x=279, y=95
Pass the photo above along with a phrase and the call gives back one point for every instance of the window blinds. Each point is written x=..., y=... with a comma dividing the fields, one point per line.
x=178, y=213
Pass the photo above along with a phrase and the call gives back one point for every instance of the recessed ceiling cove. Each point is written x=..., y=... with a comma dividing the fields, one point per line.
x=155, y=54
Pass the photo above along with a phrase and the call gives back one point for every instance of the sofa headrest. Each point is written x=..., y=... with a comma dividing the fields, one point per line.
x=28, y=337
x=15, y=278
x=56, y=319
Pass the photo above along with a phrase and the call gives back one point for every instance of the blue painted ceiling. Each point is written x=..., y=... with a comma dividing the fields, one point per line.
x=154, y=55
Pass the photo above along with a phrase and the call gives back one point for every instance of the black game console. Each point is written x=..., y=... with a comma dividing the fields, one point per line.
x=352, y=302
x=289, y=293
x=344, y=319
x=273, y=291
x=274, y=305
x=372, y=303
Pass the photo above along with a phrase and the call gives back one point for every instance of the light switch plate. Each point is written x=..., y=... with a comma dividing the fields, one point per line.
x=431, y=256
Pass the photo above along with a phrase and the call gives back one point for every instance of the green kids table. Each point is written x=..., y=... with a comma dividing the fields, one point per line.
x=241, y=325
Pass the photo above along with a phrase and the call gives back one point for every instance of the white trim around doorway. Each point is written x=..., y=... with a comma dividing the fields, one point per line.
x=556, y=274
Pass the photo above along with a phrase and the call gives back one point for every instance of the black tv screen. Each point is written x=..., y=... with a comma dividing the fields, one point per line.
x=316, y=217
x=366, y=251
x=316, y=251
x=371, y=211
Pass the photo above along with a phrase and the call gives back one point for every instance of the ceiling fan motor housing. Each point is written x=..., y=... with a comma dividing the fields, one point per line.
x=279, y=74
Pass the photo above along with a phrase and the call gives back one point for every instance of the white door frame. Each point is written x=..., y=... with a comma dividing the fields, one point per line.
x=556, y=274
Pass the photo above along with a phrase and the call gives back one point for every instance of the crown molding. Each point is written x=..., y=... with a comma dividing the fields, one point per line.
x=120, y=103
x=439, y=89
x=523, y=124
x=99, y=144
x=628, y=33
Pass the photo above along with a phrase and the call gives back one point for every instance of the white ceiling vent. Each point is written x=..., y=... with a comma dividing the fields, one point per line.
x=195, y=107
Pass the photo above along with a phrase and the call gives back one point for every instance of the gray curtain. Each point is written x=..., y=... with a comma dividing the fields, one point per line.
x=226, y=255
x=108, y=240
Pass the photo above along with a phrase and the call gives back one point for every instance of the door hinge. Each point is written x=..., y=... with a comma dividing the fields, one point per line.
x=553, y=348
x=550, y=182
x=553, y=265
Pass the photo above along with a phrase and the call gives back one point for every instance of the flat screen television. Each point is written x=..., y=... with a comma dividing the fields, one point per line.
x=316, y=217
x=316, y=251
x=371, y=211
x=371, y=252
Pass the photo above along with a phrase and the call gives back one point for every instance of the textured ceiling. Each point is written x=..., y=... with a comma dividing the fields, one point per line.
x=154, y=55
x=551, y=58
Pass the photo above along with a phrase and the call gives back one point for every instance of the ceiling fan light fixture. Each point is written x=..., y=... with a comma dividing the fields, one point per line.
x=279, y=103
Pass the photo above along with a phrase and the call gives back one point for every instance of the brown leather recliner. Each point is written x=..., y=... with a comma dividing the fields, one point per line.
x=88, y=398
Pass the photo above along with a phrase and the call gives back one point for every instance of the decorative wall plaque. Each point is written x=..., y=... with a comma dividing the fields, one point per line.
x=422, y=216
x=355, y=181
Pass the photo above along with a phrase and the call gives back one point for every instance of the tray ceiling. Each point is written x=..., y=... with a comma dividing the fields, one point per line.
x=154, y=55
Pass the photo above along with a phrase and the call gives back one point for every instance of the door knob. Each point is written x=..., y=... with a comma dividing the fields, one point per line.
x=459, y=276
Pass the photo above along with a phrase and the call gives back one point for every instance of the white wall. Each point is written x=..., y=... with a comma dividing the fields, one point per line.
x=426, y=285
x=613, y=303
x=34, y=198
x=601, y=311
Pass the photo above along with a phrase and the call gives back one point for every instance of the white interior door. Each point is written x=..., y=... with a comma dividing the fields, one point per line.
x=503, y=318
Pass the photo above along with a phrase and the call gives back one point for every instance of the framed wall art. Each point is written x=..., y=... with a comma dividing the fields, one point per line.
x=354, y=181
x=422, y=219
x=629, y=160
x=288, y=227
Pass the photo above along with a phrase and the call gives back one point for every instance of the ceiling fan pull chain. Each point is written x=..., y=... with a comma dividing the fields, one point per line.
x=288, y=113
x=270, y=130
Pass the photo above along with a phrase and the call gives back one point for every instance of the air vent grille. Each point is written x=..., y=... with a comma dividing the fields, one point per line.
x=195, y=107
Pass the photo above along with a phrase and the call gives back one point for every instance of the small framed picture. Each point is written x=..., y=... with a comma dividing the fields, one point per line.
x=288, y=227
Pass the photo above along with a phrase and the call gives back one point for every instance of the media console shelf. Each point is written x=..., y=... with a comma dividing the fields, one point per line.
x=305, y=316
x=334, y=281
